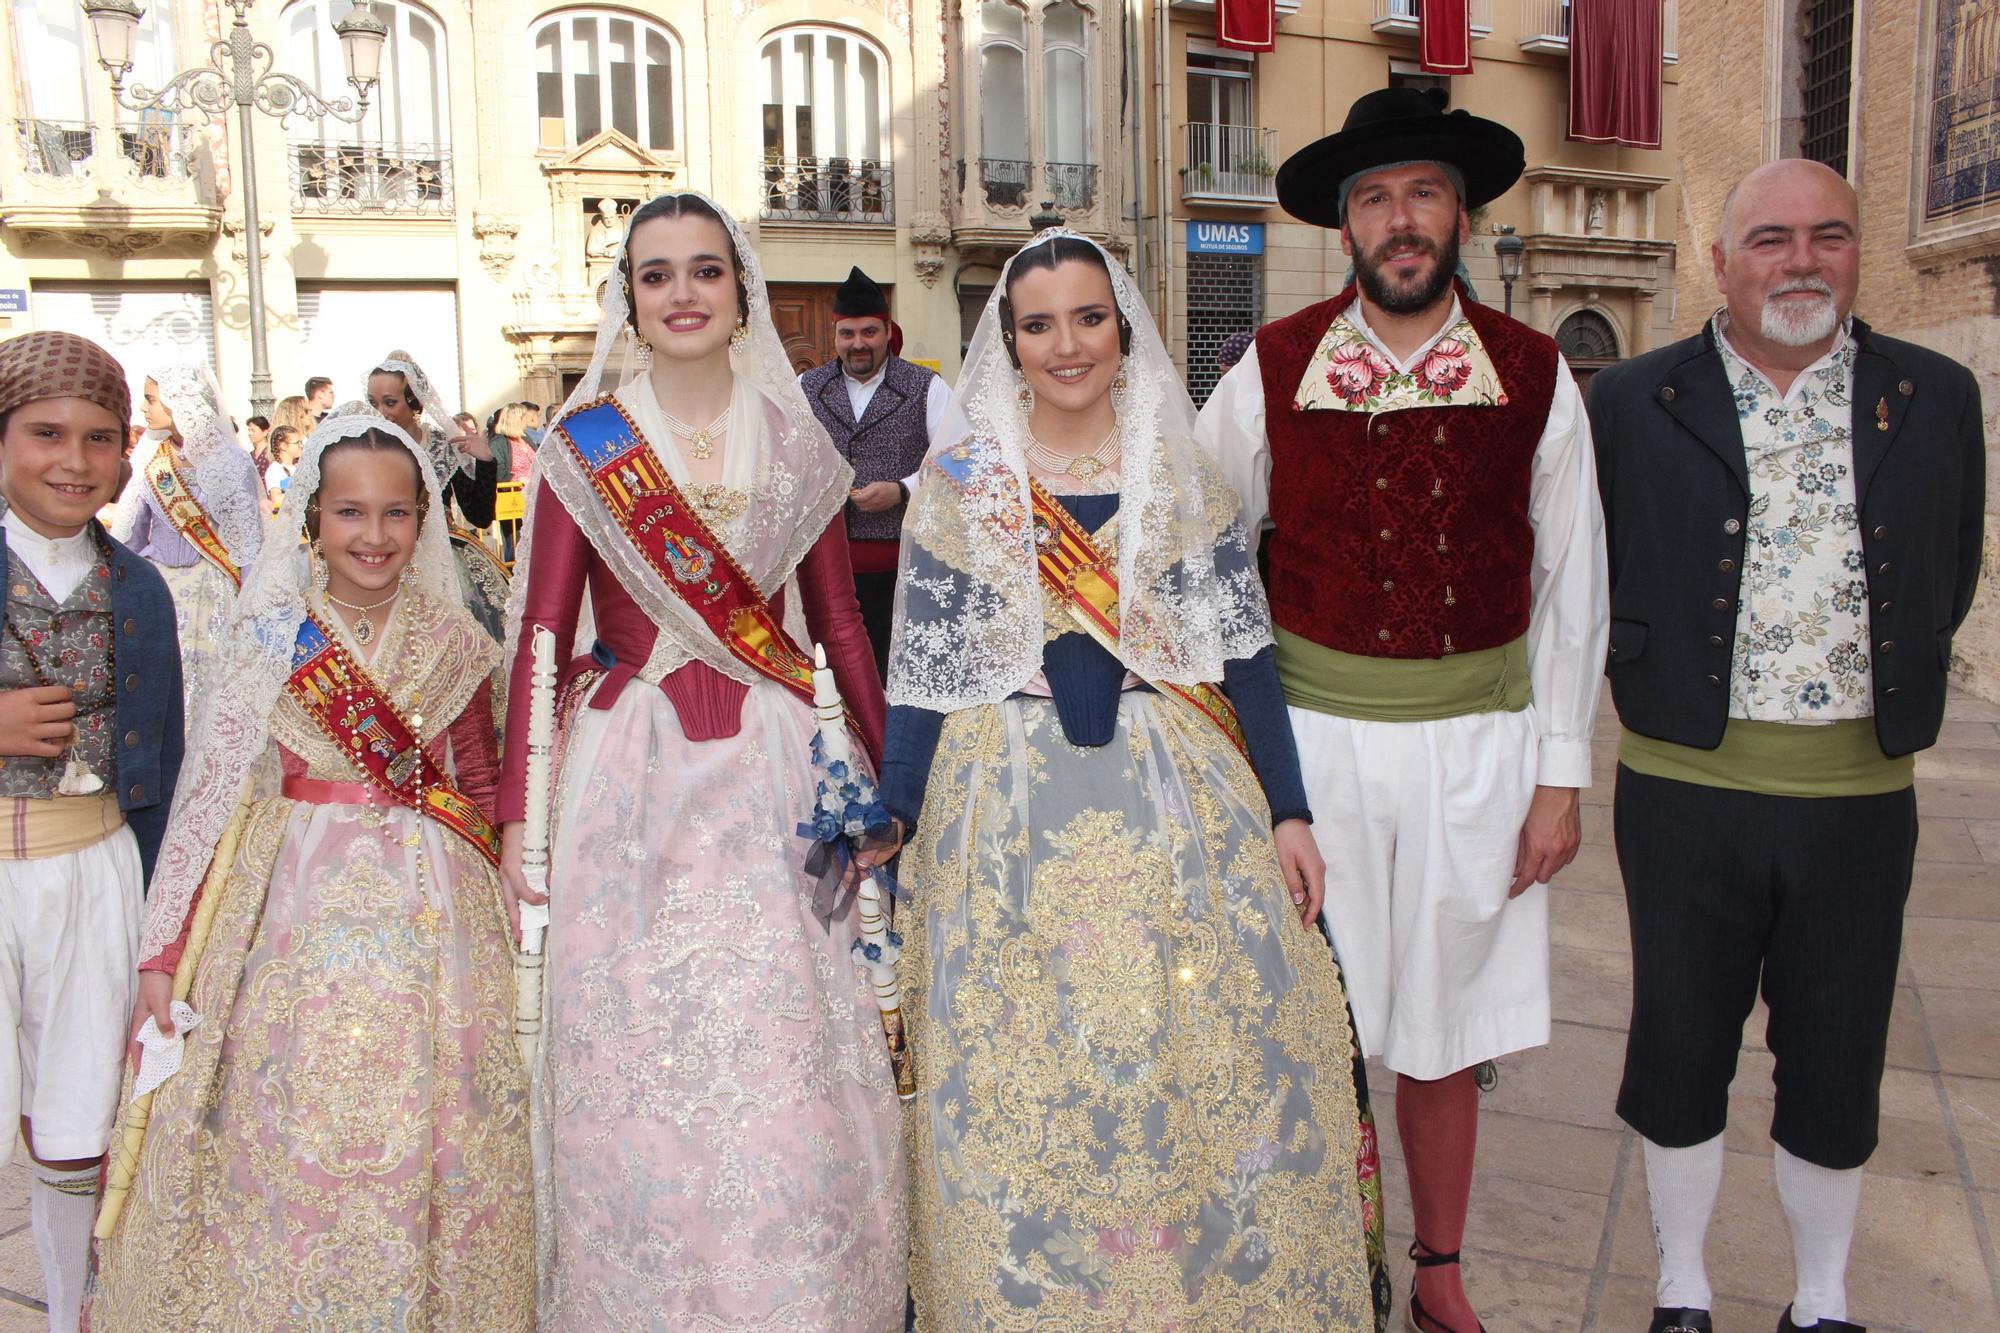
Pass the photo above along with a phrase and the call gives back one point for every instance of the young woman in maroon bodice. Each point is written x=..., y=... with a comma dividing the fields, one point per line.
x=717, y=1126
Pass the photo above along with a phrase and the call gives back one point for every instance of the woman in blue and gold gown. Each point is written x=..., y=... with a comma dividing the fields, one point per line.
x=1136, y=1100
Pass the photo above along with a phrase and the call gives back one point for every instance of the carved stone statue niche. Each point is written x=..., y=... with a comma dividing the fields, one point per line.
x=603, y=232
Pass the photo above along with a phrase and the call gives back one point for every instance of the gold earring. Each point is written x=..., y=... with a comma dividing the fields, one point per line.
x=1118, y=384
x=320, y=572
x=645, y=354
x=739, y=336
x=1026, y=395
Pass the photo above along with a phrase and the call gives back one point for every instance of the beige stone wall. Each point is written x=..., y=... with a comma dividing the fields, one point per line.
x=509, y=248
x=1943, y=297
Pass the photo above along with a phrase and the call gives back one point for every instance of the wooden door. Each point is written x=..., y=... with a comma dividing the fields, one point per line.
x=803, y=312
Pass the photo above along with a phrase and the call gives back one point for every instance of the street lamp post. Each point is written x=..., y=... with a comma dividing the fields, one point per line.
x=1509, y=249
x=239, y=74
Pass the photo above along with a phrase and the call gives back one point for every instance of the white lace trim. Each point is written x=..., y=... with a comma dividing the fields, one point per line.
x=1190, y=599
x=230, y=727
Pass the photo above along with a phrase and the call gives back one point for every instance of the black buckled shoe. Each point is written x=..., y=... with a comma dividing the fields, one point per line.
x=1419, y=1319
x=1681, y=1320
x=1785, y=1325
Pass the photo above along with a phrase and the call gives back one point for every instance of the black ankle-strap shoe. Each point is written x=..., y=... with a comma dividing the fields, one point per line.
x=1785, y=1325
x=1680, y=1320
x=1415, y=1316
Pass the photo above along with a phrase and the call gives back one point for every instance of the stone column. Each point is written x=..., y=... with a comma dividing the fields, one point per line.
x=1642, y=322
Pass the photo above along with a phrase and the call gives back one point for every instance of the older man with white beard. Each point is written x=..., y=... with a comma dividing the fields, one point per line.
x=1793, y=509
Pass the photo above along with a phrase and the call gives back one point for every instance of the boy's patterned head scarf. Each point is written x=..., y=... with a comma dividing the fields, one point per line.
x=62, y=365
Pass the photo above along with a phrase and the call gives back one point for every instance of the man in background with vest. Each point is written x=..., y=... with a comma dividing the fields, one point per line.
x=881, y=412
x=1437, y=587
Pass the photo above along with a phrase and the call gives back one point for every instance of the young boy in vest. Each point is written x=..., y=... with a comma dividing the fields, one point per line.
x=90, y=748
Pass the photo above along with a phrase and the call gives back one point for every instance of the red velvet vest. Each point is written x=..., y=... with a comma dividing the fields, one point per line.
x=1403, y=534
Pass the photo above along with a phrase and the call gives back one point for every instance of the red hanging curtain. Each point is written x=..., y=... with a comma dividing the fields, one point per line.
x=1615, y=56
x=1444, y=36
x=1246, y=25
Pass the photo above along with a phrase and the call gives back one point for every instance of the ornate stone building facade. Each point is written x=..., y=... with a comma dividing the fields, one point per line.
x=471, y=216
x=1903, y=96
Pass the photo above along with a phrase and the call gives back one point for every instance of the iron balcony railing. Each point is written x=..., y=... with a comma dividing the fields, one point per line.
x=1230, y=162
x=400, y=179
x=55, y=147
x=158, y=149
x=1403, y=16
x=1070, y=185
x=1005, y=180
x=155, y=149
x=831, y=189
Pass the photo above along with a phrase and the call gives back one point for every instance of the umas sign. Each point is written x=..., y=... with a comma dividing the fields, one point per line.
x=1225, y=238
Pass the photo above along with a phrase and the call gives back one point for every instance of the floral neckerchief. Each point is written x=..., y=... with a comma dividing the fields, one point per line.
x=1801, y=652
x=1349, y=373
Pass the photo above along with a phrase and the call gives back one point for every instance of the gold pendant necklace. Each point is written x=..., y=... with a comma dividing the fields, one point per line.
x=1084, y=467
x=701, y=441
x=364, y=628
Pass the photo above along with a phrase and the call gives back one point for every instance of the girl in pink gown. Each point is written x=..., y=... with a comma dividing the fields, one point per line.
x=346, y=1143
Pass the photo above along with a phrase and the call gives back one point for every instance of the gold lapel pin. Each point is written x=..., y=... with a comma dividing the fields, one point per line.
x=1881, y=414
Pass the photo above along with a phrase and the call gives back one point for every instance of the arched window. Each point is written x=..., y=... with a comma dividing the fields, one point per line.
x=1587, y=337
x=1003, y=101
x=54, y=57
x=397, y=159
x=601, y=69
x=826, y=126
x=1034, y=99
x=410, y=108
x=1065, y=92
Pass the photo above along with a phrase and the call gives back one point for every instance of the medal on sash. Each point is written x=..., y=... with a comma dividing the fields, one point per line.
x=656, y=517
x=184, y=512
x=358, y=716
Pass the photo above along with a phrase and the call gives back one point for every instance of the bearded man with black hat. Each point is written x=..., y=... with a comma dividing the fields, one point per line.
x=881, y=412
x=1437, y=582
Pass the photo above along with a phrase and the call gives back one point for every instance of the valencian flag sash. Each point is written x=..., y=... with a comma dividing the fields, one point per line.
x=170, y=488
x=359, y=717
x=1085, y=580
x=658, y=520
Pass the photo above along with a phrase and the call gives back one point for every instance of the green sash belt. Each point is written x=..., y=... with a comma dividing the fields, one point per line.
x=1778, y=759
x=1398, y=689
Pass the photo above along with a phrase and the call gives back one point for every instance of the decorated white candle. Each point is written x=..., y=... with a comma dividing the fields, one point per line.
x=831, y=712
x=834, y=742
x=535, y=843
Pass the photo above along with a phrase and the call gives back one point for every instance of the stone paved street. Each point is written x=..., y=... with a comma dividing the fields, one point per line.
x=1560, y=1238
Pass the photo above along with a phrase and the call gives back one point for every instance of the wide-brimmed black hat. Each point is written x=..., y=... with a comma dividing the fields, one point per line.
x=1399, y=125
x=859, y=297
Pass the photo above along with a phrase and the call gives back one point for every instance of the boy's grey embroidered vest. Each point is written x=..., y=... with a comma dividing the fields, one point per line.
x=72, y=644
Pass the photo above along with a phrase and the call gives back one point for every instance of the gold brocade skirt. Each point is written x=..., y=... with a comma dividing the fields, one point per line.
x=1136, y=1105
x=346, y=1143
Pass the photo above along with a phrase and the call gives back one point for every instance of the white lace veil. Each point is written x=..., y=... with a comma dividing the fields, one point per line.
x=800, y=481
x=231, y=727
x=219, y=469
x=438, y=421
x=968, y=627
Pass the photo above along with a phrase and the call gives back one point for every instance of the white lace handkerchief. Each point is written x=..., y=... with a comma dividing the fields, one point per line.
x=160, y=1057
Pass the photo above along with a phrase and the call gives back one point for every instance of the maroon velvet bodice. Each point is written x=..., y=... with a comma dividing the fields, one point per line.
x=1403, y=534
x=708, y=704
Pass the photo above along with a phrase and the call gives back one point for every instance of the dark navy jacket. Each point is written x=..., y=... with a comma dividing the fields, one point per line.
x=148, y=738
x=1675, y=483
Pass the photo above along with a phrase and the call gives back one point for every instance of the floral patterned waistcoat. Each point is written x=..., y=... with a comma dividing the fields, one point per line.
x=72, y=642
x=1403, y=533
